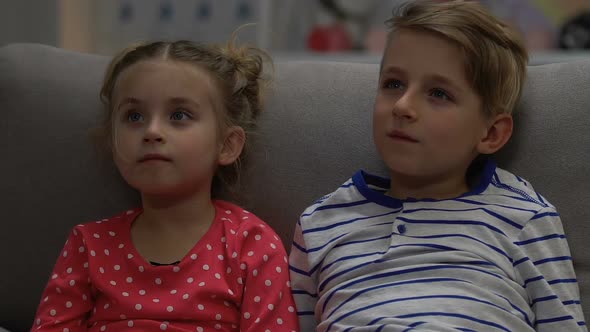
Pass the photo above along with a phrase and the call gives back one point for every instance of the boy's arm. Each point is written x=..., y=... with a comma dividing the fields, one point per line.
x=303, y=282
x=548, y=274
x=267, y=303
x=66, y=300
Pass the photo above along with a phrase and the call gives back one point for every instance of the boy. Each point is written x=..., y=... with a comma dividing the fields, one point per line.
x=449, y=242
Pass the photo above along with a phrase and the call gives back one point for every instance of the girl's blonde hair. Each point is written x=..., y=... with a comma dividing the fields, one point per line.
x=236, y=71
x=495, y=57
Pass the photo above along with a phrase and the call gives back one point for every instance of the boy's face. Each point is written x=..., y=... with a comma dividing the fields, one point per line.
x=428, y=120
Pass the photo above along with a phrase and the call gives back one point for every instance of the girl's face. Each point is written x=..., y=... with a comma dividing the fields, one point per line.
x=167, y=135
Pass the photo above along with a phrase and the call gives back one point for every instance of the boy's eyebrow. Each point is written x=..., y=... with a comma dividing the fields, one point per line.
x=445, y=81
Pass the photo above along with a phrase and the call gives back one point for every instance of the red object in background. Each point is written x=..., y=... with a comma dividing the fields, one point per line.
x=329, y=38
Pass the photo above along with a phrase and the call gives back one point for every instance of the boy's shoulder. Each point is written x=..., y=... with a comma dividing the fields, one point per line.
x=510, y=189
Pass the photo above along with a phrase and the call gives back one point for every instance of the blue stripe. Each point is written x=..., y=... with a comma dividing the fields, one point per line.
x=395, y=284
x=298, y=271
x=453, y=222
x=545, y=214
x=528, y=281
x=543, y=299
x=494, y=214
x=524, y=314
x=406, y=271
x=325, y=244
x=336, y=206
x=496, y=249
x=303, y=292
x=554, y=320
x=570, y=302
x=299, y=247
x=305, y=313
x=562, y=281
x=481, y=321
x=538, y=239
x=468, y=201
x=345, y=222
x=413, y=325
x=582, y=323
x=552, y=259
x=522, y=260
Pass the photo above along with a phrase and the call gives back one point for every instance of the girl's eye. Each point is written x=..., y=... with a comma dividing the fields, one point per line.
x=393, y=84
x=180, y=115
x=134, y=117
x=440, y=94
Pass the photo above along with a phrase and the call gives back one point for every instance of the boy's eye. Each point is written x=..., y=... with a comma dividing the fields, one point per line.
x=134, y=116
x=440, y=94
x=393, y=84
x=180, y=115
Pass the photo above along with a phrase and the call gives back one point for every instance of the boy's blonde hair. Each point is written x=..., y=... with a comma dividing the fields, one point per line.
x=238, y=75
x=495, y=57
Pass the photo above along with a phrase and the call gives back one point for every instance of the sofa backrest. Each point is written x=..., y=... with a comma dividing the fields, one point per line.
x=315, y=132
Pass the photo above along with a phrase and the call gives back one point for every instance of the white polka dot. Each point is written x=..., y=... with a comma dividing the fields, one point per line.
x=190, y=280
x=194, y=256
x=141, y=292
x=106, y=306
x=202, y=283
x=138, y=306
x=130, y=323
x=125, y=294
x=265, y=258
x=218, y=327
x=122, y=316
x=218, y=317
x=58, y=290
x=81, y=249
x=176, y=269
x=201, y=307
x=209, y=247
x=232, y=232
x=230, y=292
x=129, y=280
x=101, y=270
x=117, y=267
x=96, y=236
x=169, y=308
x=291, y=309
x=225, y=303
x=103, y=328
x=106, y=252
x=173, y=291
x=278, y=269
x=240, y=281
x=92, y=253
x=111, y=233
x=245, y=233
x=54, y=276
x=243, y=266
x=258, y=237
x=163, y=327
x=141, y=268
x=72, y=282
x=257, y=299
x=121, y=245
x=220, y=257
x=271, y=307
x=46, y=299
x=250, y=253
x=255, y=272
x=65, y=254
x=113, y=282
x=84, y=297
x=85, y=265
x=257, y=320
x=65, y=329
x=200, y=329
x=223, y=239
x=185, y=296
x=158, y=281
x=129, y=256
x=279, y=321
x=272, y=245
x=227, y=212
x=247, y=315
x=75, y=232
x=69, y=304
x=206, y=267
x=228, y=270
x=156, y=300
x=234, y=255
x=268, y=282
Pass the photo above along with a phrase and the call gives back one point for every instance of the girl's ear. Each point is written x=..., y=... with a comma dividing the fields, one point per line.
x=497, y=134
x=232, y=146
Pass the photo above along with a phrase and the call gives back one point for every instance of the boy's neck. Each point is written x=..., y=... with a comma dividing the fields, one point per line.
x=404, y=187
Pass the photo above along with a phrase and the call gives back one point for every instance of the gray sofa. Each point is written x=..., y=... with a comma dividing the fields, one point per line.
x=314, y=134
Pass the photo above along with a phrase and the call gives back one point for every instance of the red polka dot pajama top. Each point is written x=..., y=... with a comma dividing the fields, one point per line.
x=235, y=278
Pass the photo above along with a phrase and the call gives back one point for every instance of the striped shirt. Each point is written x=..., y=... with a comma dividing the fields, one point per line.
x=493, y=259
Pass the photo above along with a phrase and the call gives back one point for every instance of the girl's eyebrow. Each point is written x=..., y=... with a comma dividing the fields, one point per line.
x=128, y=100
x=183, y=101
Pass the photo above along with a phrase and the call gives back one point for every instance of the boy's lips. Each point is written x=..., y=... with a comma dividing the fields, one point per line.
x=153, y=157
x=400, y=135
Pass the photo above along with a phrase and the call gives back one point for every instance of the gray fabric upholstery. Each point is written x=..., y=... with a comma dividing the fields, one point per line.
x=314, y=134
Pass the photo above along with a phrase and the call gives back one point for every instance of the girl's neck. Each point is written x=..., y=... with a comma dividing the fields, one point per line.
x=182, y=213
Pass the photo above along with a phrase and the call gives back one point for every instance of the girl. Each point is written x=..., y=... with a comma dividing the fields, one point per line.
x=178, y=114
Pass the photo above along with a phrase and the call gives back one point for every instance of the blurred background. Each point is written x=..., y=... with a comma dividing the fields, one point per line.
x=348, y=30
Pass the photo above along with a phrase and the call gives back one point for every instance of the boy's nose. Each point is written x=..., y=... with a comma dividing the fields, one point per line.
x=405, y=107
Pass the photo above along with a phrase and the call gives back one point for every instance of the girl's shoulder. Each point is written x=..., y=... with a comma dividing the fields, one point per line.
x=108, y=225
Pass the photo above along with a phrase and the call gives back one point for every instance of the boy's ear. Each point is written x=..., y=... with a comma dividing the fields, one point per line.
x=497, y=135
x=233, y=144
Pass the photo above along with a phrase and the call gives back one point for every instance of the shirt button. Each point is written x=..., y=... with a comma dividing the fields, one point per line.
x=401, y=229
